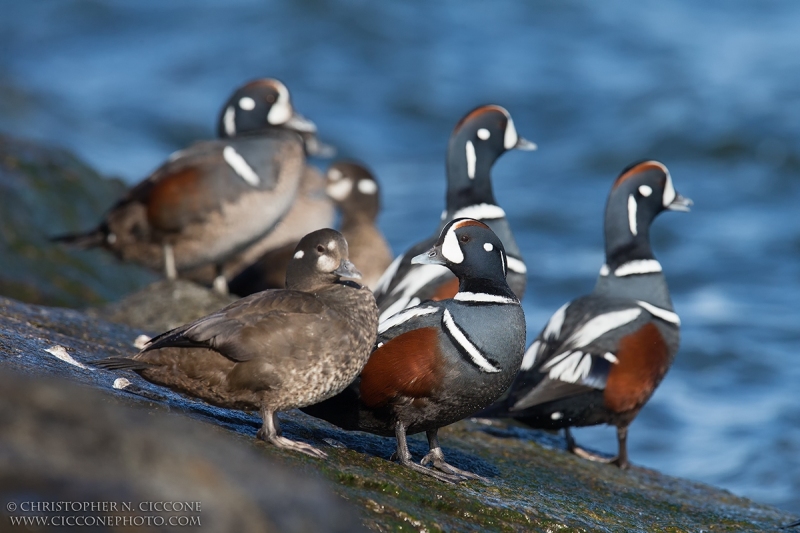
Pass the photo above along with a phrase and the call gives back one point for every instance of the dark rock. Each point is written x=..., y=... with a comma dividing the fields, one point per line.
x=534, y=485
x=46, y=192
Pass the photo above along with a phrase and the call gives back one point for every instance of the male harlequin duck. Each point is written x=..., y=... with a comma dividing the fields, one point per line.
x=274, y=350
x=355, y=192
x=441, y=361
x=214, y=198
x=478, y=139
x=263, y=265
x=600, y=357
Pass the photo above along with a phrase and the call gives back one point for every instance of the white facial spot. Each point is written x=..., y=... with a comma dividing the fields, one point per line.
x=367, y=187
x=229, y=121
x=331, y=245
x=483, y=134
x=247, y=103
x=339, y=190
x=488, y=246
x=669, y=192
x=334, y=174
x=299, y=254
x=281, y=110
x=327, y=263
x=645, y=190
x=632, y=214
x=471, y=159
x=511, y=138
x=450, y=248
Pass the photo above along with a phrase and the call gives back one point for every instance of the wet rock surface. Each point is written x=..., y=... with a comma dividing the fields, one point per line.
x=533, y=484
x=46, y=192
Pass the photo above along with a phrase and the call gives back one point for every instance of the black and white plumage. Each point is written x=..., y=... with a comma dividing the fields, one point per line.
x=215, y=198
x=274, y=350
x=601, y=356
x=440, y=361
x=478, y=139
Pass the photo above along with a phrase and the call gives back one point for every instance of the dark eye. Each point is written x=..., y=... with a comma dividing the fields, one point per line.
x=270, y=98
x=320, y=249
x=464, y=238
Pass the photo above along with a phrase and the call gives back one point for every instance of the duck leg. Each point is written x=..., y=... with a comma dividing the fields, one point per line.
x=220, y=283
x=436, y=457
x=621, y=460
x=403, y=456
x=270, y=432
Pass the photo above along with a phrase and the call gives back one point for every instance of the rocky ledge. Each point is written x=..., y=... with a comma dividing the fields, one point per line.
x=534, y=485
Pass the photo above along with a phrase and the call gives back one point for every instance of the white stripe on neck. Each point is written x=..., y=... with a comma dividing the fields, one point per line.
x=480, y=212
x=483, y=297
x=637, y=266
x=472, y=351
x=240, y=166
x=663, y=314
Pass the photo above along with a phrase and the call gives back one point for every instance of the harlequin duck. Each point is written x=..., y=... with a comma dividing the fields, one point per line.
x=601, y=356
x=356, y=193
x=441, y=361
x=478, y=139
x=274, y=350
x=214, y=198
x=263, y=265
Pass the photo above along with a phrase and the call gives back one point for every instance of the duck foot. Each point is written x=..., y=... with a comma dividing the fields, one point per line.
x=270, y=432
x=403, y=456
x=621, y=460
x=436, y=458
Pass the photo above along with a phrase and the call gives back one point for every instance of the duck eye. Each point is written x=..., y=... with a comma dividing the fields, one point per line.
x=320, y=249
x=464, y=238
x=270, y=98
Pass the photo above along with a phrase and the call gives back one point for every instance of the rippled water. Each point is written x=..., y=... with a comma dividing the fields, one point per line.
x=713, y=91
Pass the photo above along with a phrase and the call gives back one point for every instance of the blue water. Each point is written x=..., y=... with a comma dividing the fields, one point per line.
x=713, y=91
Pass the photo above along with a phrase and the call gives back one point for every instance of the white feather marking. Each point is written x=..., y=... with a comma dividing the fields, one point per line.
x=663, y=314
x=573, y=368
x=141, y=341
x=367, y=187
x=669, y=191
x=240, y=166
x=474, y=354
x=530, y=356
x=281, y=110
x=388, y=274
x=451, y=250
x=326, y=263
x=488, y=246
x=471, y=159
x=334, y=174
x=610, y=357
x=483, y=134
x=339, y=190
x=480, y=212
x=515, y=265
x=637, y=266
x=511, y=138
x=299, y=254
x=405, y=316
x=229, y=121
x=604, y=270
x=60, y=352
x=645, y=190
x=414, y=280
x=558, y=415
x=602, y=324
x=483, y=297
x=553, y=328
x=632, y=214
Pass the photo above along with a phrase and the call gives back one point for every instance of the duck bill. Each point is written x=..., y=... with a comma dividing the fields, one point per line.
x=431, y=257
x=525, y=145
x=680, y=203
x=298, y=122
x=315, y=147
x=347, y=270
